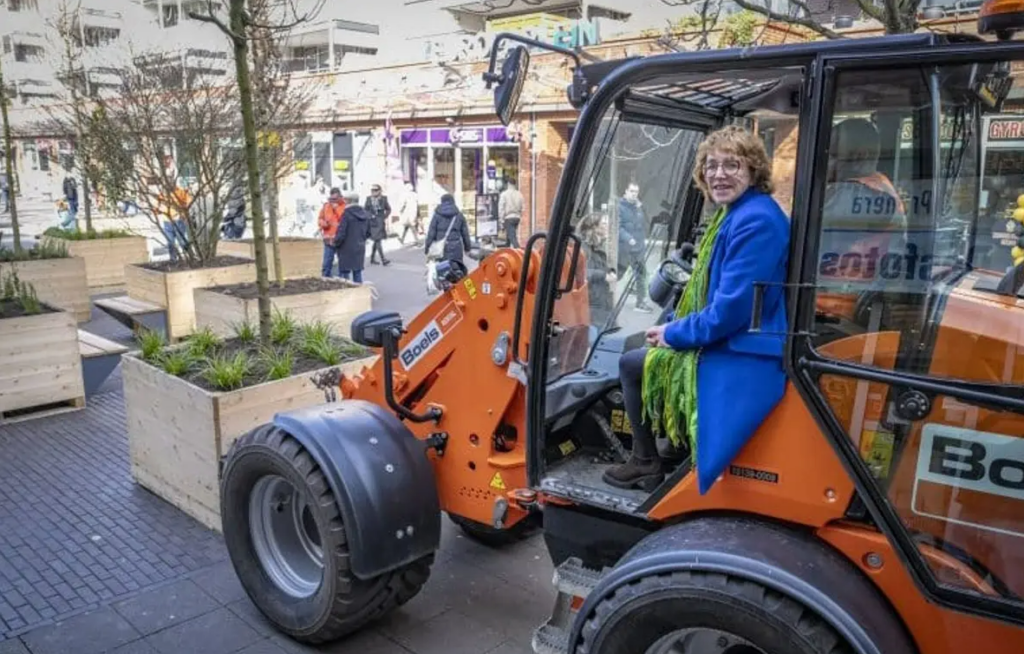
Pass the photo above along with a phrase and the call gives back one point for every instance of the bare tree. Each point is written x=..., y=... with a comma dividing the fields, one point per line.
x=279, y=104
x=9, y=162
x=241, y=25
x=155, y=139
x=73, y=76
x=895, y=16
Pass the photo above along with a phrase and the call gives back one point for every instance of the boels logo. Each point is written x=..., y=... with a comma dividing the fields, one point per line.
x=429, y=336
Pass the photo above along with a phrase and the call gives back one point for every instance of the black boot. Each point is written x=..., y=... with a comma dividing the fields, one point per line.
x=644, y=474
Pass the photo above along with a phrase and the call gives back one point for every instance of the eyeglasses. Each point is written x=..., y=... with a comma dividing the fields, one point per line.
x=729, y=167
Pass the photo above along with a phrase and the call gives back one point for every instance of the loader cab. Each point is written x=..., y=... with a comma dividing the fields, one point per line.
x=906, y=343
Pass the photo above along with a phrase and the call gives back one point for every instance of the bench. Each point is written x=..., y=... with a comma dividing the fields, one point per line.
x=99, y=358
x=134, y=314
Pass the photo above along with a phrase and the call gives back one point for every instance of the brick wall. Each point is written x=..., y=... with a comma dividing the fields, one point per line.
x=552, y=146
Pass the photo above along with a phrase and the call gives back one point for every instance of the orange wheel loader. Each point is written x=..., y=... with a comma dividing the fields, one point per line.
x=878, y=510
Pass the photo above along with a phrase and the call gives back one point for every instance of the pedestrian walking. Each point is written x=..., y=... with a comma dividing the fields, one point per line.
x=350, y=239
x=409, y=214
x=633, y=244
x=71, y=197
x=448, y=234
x=379, y=209
x=510, y=212
x=328, y=221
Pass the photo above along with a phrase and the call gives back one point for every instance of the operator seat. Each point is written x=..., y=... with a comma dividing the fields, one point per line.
x=863, y=220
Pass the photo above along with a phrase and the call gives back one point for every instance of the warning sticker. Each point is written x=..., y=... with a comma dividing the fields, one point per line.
x=620, y=422
x=485, y=288
x=470, y=288
x=497, y=482
x=876, y=448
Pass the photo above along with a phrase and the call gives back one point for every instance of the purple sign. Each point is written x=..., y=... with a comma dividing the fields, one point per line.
x=457, y=135
x=413, y=136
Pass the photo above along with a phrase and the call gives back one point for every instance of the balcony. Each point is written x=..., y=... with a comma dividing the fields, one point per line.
x=92, y=15
x=18, y=72
x=321, y=47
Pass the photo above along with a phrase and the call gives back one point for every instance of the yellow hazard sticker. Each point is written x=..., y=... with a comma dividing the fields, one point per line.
x=497, y=482
x=876, y=448
x=620, y=422
x=567, y=448
x=470, y=288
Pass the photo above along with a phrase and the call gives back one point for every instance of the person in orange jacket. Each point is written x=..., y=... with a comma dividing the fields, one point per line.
x=328, y=221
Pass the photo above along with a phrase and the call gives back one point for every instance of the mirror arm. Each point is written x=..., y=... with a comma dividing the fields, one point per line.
x=491, y=77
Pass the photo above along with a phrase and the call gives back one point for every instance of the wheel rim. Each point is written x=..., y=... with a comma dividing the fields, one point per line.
x=703, y=641
x=285, y=536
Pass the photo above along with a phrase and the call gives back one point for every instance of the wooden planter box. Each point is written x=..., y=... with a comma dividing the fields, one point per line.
x=106, y=258
x=58, y=282
x=40, y=365
x=174, y=290
x=339, y=306
x=178, y=432
x=300, y=257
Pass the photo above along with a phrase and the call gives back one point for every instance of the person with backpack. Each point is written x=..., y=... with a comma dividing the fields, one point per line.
x=448, y=234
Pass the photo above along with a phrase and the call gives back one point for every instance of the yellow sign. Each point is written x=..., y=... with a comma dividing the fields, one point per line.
x=470, y=288
x=567, y=448
x=497, y=482
x=528, y=21
x=876, y=448
x=341, y=164
x=620, y=422
x=301, y=165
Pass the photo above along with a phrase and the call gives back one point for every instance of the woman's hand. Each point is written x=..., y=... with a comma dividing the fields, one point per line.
x=656, y=336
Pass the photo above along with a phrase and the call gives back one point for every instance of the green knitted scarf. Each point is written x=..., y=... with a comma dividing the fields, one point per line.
x=669, y=387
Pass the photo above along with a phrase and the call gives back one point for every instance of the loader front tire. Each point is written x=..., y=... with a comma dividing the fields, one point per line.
x=287, y=542
x=696, y=612
x=493, y=537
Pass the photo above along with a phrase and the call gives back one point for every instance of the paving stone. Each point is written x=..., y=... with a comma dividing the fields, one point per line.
x=214, y=633
x=135, y=647
x=366, y=641
x=263, y=647
x=165, y=606
x=88, y=633
x=220, y=582
x=76, y=526
x=13, y=646
x=451, y=632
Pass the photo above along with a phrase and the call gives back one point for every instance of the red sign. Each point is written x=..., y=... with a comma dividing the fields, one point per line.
x=1010, y=129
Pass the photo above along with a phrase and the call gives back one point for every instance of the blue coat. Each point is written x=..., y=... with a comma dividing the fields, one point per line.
x=740, y=377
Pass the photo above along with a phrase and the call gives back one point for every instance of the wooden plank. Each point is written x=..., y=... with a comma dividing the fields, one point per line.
x=40, y=362
x=146, y=285
x=106, y=258
x=177, y=432
x=98, y=345
x=58, y=282
x=181, y=308
x=127, y=305
x=299, y=257
x=69, y=407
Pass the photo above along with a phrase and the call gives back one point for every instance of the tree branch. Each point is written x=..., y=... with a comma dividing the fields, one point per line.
x=871, y=10
x=793, y=20
x=208, y=17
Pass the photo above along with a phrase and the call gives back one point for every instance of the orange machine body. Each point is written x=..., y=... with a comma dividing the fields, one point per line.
x=446, y=360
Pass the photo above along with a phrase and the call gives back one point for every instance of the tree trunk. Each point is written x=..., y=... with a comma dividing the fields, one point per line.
x=252, y=163
x=272, y=189
x=9, y=164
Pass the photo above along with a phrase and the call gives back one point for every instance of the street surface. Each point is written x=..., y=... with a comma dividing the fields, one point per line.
x=91, y=563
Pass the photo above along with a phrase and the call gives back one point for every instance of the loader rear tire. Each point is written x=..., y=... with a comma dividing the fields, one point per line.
x=697, y=612
x=287, y=542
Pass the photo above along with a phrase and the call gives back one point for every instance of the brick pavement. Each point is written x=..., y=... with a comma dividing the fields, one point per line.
x=90, y=563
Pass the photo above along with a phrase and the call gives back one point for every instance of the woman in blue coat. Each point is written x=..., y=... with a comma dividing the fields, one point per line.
x=705, y=380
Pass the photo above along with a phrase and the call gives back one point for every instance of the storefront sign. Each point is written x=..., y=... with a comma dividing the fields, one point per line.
x=1008, y=129
x=457, y=136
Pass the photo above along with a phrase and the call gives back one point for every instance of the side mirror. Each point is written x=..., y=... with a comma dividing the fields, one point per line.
x=510, y=83
x=369, y=328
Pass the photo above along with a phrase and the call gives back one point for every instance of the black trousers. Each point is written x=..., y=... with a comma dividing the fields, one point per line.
x=631, y=373
x=377, y=247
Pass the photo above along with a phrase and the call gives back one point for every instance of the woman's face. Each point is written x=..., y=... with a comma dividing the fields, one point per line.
x=727, y=175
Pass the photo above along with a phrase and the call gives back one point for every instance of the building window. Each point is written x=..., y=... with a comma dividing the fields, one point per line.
x=310, y=59
x=23, y=5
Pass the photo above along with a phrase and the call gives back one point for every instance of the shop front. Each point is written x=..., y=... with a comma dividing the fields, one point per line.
x=467, y=162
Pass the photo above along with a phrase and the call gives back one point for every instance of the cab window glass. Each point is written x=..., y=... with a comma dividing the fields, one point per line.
x=915, y=273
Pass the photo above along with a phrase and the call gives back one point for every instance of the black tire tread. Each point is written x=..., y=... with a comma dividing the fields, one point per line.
x=390, y=590
x=802, y=620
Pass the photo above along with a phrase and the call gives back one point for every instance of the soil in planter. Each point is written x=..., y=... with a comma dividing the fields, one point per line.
x=14, y=309
x=249, y=290
x=182, y=264
x=282, y=239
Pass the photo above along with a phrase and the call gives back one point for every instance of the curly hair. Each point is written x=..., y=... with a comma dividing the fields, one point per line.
x=739, y=142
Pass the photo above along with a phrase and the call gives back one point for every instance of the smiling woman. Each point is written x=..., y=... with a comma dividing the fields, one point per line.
x=680, y=384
